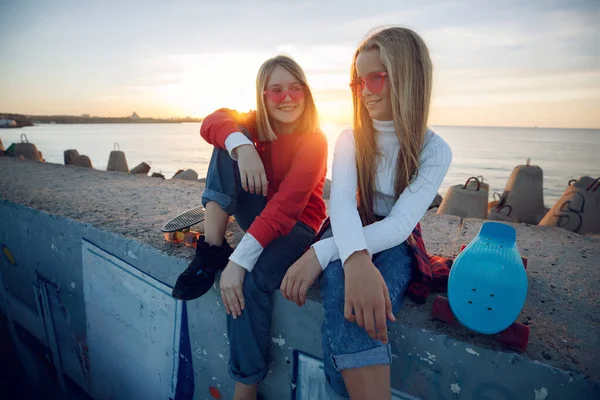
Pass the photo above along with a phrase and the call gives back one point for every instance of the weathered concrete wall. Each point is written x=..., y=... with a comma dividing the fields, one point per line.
x=49, y=213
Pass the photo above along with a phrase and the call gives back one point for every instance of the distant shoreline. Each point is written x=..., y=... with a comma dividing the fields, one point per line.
x=32, y=120
x=124, y=121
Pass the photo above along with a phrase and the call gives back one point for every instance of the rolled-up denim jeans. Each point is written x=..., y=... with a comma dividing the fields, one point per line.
x=250, y=334
x=345, y=344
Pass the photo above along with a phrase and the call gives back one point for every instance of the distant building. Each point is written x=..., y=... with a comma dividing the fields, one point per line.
x=134, y=116
x=7, y=123
x=85, y=115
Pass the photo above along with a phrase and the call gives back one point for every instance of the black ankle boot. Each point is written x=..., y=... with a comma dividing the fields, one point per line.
x=200, y=274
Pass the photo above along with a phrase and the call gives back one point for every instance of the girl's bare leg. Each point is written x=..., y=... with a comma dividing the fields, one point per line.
x=245, y=392
x=368, y=383
x=215, y=224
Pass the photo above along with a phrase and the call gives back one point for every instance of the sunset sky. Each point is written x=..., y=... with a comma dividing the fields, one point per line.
x=508, y=63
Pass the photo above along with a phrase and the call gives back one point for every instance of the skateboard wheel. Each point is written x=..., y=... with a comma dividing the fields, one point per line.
x=191, y=238
x=174, y=237
x=441, y=310
x=515, y=337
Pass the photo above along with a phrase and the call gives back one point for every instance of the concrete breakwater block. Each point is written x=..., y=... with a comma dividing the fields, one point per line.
x=524, y=193
x=72, y=157
x=117, y=160
x=187, y=175
x=25, y=149
x=578, y=209
x=84, y=161
x=142, y=168
x=467, y=201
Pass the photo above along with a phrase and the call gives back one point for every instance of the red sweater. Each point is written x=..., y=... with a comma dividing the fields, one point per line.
x=295, y=166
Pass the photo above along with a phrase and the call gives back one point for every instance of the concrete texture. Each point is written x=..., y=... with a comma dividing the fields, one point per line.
x=124, y=213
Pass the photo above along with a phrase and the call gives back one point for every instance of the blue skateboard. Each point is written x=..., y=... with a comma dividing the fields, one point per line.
x=487, y=286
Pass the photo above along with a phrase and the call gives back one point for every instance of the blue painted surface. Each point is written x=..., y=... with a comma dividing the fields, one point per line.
x=133, y=329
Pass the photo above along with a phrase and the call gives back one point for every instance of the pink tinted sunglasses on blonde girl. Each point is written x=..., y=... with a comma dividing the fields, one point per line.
x=374, y=82
x=276, y=93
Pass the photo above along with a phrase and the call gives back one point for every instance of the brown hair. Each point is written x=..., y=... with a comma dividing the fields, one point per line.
x=309, y=120
x=406, y=58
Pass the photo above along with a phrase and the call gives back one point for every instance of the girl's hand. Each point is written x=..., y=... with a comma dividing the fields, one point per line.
x=367, y=295
x=252, y=170
x=301, y=276
x=232, y=284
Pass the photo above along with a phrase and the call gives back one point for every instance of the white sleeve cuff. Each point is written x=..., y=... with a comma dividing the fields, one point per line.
x=353, y=247
x=234, y=140
x=247, y=252
x=326, y=251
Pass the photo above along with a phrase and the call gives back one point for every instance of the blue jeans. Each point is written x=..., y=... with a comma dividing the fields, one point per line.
x=345, y=344
x=250, y=334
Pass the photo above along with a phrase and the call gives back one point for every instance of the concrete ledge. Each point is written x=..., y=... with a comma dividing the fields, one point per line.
x=125, y=212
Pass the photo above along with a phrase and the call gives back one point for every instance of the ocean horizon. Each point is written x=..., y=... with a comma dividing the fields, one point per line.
x=491, y=152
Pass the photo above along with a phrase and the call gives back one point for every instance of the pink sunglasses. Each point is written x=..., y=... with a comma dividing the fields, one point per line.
x=374, y=82
x=276, y=94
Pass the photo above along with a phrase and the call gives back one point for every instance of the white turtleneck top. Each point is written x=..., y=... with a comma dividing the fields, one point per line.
x=401, y=216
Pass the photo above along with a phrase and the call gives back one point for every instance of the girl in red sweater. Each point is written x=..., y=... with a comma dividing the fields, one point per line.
x=268, y=169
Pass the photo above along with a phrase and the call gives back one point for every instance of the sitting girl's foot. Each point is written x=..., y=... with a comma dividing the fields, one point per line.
x=199, y=276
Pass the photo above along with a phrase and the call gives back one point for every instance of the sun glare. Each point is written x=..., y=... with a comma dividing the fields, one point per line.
x=332, y=131
x=208, y=82
x=203, y=83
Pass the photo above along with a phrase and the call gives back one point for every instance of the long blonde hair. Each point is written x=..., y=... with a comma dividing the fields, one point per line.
x=406, y=58
x=309, y=120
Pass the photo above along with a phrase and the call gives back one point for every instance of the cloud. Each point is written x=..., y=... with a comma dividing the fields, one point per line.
x=485, y=87
x=548, y=40
x=195, y=56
